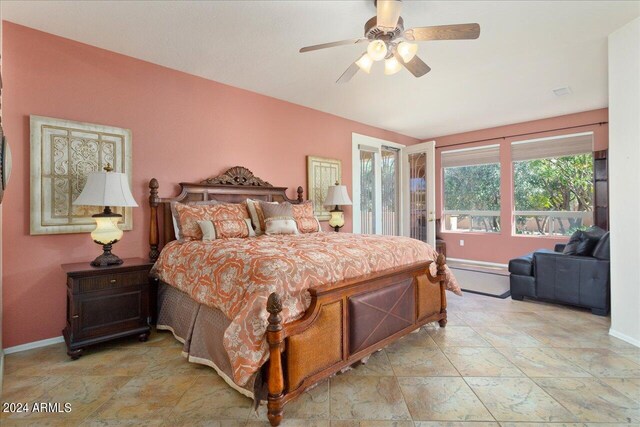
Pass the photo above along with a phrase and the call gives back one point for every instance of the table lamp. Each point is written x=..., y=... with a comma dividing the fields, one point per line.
x=106, y=189
x=337, y=196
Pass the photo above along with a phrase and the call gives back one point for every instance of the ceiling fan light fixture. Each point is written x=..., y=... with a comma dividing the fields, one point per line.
x=377, y=50
x=391, y=66
x=407, y=50
x=365, y=62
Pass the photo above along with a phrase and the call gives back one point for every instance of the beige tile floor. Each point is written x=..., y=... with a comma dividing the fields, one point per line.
x=498, y=362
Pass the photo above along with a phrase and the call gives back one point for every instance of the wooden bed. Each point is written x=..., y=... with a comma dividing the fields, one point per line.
x=337, y=329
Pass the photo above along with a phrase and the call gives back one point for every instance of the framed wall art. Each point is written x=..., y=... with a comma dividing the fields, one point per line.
x=321, y=173
x=63, y=152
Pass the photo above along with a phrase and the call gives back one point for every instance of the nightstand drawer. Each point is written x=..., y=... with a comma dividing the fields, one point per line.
x=110, y=281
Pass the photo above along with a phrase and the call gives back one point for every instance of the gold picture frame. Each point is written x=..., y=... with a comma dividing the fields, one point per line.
x=321, y=173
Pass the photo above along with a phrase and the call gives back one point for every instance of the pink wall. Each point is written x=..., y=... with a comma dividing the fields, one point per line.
x=500, y=247
x=185, y=128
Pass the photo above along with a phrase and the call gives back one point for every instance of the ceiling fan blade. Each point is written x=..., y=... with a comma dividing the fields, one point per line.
x=332, y=44
x=349, y=73
x=416, y=66
x=388, y=13
x=444, y=32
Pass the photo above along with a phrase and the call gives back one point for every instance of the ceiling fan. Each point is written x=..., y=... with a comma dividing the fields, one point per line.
x=387, y=39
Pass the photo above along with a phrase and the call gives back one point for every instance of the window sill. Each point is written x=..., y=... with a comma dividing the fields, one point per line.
x=474, y=233
x=525, y=236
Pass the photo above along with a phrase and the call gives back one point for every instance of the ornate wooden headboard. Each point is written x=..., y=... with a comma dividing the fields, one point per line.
x=233, y=186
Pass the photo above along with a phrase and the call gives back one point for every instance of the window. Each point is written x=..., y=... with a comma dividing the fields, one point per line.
x=472, y=189
x=367, y=191
x=553, y=185
x=376, y=190
x=390, y=190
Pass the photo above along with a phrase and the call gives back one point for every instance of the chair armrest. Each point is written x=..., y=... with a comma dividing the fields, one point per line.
x=559, y=247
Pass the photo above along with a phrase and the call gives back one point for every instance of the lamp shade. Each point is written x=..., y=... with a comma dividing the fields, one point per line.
x=106, y=189
x=337, y=196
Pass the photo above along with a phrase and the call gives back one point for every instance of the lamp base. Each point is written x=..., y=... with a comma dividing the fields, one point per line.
x=337, y=218
x=107, y=258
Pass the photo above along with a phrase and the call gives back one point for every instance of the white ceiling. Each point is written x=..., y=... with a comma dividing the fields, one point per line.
x=525, y=49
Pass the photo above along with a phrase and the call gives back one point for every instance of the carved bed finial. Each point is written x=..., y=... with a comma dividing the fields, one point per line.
x=237, y=175
x=274, y=307
x=440, y=263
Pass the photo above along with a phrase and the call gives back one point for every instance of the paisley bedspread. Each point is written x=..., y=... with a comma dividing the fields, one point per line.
x=236, y=276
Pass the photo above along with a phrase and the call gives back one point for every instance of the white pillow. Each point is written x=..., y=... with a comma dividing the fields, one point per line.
x=280, y=225
x=208, y=230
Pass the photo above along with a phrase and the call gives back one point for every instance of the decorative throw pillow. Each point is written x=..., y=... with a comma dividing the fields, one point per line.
x=257, y=215
x=583, y=242
x=572, y=244
x=602, y=250
x=280, y=225
x=174, y=213
x=208, y=230
x=271, y=210
x=231, y=228
x=303, y=210
x=303, y=215
x=307, y=224
x=226, y=229
x=189, y=215
x=278, y=218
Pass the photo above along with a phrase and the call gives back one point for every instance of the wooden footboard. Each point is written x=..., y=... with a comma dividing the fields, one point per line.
x=345, y=323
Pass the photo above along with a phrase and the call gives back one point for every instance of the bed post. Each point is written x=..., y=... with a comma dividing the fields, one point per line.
x=300, y=191
x=440, y=263
x=154, y=234
x=275, y=379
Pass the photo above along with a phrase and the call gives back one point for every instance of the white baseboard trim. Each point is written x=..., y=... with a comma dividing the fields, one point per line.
x=485, y=263
x=32, y=345
x=624, y=337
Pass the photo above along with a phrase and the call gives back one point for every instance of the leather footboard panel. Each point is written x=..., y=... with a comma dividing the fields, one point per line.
x=376, y=315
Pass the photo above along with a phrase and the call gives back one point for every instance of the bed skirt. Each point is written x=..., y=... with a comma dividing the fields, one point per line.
x=201, y=330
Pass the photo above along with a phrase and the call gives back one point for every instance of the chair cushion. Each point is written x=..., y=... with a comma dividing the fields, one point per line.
x=522, y=266
x=583, y=242
x=601, y=250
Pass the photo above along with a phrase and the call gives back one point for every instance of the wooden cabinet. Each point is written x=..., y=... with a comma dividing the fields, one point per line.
x=601, y=189
x=104, y=303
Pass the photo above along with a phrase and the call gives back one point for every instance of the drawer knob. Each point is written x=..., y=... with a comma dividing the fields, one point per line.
x=75, y=316
x=112, y=281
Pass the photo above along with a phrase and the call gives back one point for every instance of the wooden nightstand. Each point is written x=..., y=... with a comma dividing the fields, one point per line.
x=104, y=303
